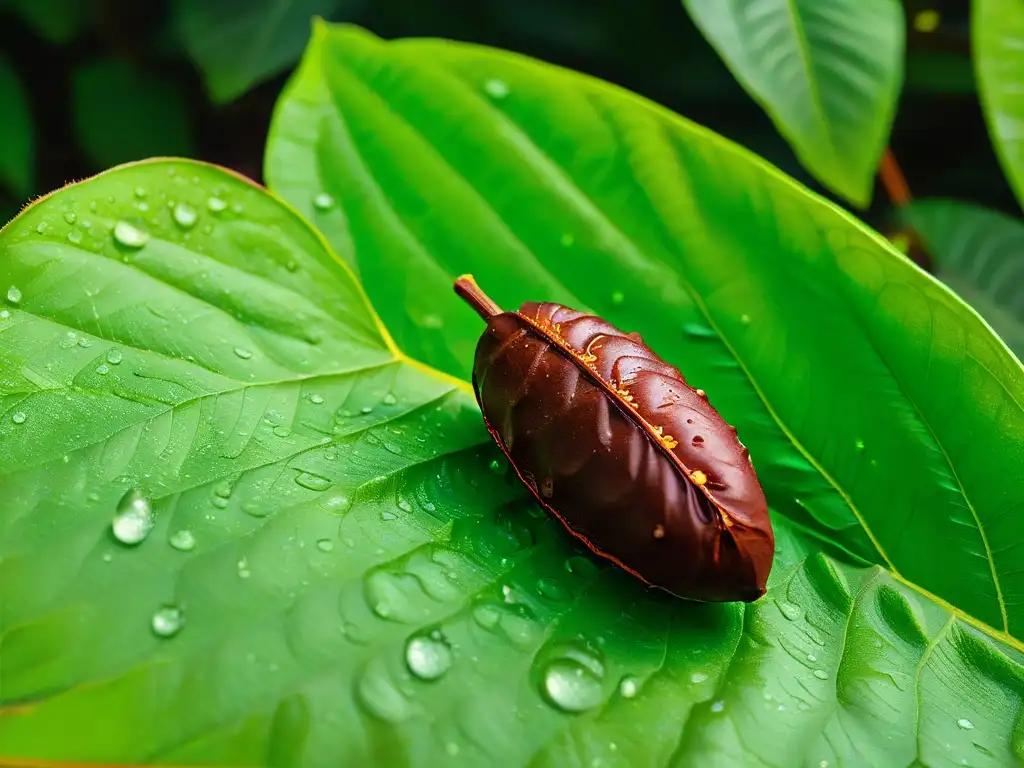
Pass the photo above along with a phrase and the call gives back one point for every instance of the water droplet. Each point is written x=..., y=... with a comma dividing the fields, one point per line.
x=698, y=677
x=572, y=686
x=497, y=89
x=185, y=216
x=282, y=431
x=552, y=589
x=966, y=724
x=487, y=616
x=237, y=208
x=14, y=294
x=567, y=240
x=428, y=656
x=325, y=545
x=629, y=687
x=70, y=217
x=83, y=342
x=335, y=504
x=821, y=674
x=745, y=319
x=114, y=356
x=387, y=517
x=134, y=518
x=791, y=611
x=811, y=657
x=451, y=748
x=699, y=331
x=496, y=466
x=220, y=503
x=75, y=236
x=379, y=695
x=718, y=706
x=618, y=297
x=18, y=417
x=316, y=399
x=366, y=409
x=859, y=445
x=130, y=235
x=107, y=557
x=323, y=202
x=313, y=482
x=168, y=621
x=404, y=505
x=102, y=369
x=183, y=540
x=430, y=506
x=4, y=314
x=245, y=354
x=216, y=205
x=243, y=569
x=140, y=192
x=389, y=399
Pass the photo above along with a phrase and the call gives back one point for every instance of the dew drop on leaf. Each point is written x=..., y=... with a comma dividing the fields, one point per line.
x=243, y=569
x=220, y=503
x=378, y=695
x=387, y=517
x=496, y=466
x=313, y=482
x=552, y=589
x=571, y=685
x=821, y=674
x=618, y=297
x=698, y=677
x=185, y=216
x=140, y=192
x=316, y=399
x=102, y=369
x=168, y=621
x=75, y=236
x=629, y=687
x=243, y=353
x=323, y=202
x=718, y=706
x=389, y=399
x=183, y=540
x=428, y=656
x=130, y=235
x=114, y=356
x=70, y=217
x=18, y=417
x=404, y=505
x=134, y=518
x=216, y=204
x=965, y=724
x=699, y=331
x=497, y=89
x=791, y=611
x=14, y=294
x=486, y=616
x=325, y=545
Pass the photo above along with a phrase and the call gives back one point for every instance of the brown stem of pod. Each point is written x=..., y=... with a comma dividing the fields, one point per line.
x=470, y=292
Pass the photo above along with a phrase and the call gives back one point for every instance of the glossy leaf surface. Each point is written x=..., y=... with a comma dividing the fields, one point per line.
x=828, y=73
x=17, y=144
x=997, y=39
x=980, y=254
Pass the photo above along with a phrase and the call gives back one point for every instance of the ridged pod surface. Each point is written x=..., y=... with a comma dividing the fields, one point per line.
x=611, y=440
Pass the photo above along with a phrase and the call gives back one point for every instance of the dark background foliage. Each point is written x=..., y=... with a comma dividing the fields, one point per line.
x=114, y=80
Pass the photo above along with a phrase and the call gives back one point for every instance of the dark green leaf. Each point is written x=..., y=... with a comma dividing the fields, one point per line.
x=58, y=21
x=828, y=73
x=939, y=72
x=240, y=43
x=997, y=27
x=124, y=114
x=17, y=146
x=980, y=254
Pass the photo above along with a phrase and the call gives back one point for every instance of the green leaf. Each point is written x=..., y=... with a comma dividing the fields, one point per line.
x=239, y=43
x=934, y=72
x=122, y=114
x=980, y=254
x=828, y=73
x=17, y=146
x=996, y=29
x=58, y=21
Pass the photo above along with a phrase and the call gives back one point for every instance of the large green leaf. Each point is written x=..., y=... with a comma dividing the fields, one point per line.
x=17, y=150
x=828, y=73
x=239, y=43
x=997, y=27
x=980, y=254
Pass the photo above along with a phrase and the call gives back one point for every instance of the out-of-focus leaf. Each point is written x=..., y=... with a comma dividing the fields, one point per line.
x=17, y=144
x=828, y=72
x=939, y=72
x=239, y=43
x=979, y=253
x=123, y=114
x=997, y=37
x=58, y=21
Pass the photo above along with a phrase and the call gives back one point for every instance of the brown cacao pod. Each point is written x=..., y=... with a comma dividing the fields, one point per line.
x=613, y=442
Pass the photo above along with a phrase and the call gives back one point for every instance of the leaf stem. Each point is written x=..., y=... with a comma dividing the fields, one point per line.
x=470, y=292
x=893, y=180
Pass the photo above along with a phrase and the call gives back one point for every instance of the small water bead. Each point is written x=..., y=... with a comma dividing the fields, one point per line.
x=618, y=297
x=102, y=369
x=497, y=89
x=130, y=235
x=821, y=674
x=14, y=294
x=107, y=557
x=791, y=611
x=567, y=240
x=83, y=342
x=389, y=399
x=325, y=545
x=965, y=724
x=428, y=656
x=698, y=677
x=18, y=417
x=323, y=202
x=243, y=353
x=4, y=314
x=316, y=399
x=140, y=192
x=718, y=706
x=629, y=687
x=312, y=481
x=183, y=540
x=572, y=686
x=220, y=503
x=243, y=569
x=430, y=506
x=282, y=431
x=496, y=466
x=134, y=518
x=366, y=409
x=168, y=621
x=114, y=356
x=552, y=590
x=404, y=505
x=185, y=216
x=216, y=205
x=75, y=236
x=70, y=217
x=387, y=517
x=811, y=657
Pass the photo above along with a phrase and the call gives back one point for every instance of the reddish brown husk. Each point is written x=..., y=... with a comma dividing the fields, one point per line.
x=611, y=440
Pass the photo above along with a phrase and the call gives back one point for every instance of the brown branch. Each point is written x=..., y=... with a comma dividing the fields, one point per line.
x=893, y=180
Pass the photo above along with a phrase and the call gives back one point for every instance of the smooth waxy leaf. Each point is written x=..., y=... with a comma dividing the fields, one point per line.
x=828, y=73
x=980, y=254
x=17, y=150
x=123, y=114
x=838, y=360
x=238, y=44
x=997, y=28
